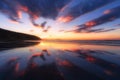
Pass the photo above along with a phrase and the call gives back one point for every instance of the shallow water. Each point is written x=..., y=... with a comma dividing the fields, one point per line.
x=60, y=61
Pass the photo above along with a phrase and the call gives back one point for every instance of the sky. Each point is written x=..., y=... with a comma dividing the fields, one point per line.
x=63, y=19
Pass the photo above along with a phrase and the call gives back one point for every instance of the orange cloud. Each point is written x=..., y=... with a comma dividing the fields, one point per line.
x=65, y=19
x=91, y=23
x=106, y=12
x=14, y=22
x=23, y=8
x=19, y=14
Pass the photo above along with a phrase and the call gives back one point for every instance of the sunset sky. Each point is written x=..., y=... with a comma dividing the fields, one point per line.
x=62, y=19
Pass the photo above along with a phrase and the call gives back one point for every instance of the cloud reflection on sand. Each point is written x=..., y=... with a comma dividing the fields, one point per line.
x=61, y=61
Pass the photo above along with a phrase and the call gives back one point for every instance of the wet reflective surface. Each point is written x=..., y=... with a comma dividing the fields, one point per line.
x=60, y=61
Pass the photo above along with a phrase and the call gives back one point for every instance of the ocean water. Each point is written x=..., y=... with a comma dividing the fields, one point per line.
x=54, y=60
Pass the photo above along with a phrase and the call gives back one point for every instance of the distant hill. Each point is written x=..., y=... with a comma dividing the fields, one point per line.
x=6, y=35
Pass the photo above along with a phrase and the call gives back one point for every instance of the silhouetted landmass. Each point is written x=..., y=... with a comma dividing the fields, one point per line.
x=11, y=45
x=6, y=35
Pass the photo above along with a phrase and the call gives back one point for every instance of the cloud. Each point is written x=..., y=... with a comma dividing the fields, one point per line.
x=99, y=30
x=92, y=30
x=47, y=29
x=61, y=10
x=10, y=8
x=65, y=19
x=35, y=8
x=44, y=8
x=108, y=15
x=72, y=11
x=117, y=25
x=49, y=8
x=43, y=24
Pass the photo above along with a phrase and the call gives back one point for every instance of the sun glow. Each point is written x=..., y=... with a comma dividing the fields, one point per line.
x=54, y=35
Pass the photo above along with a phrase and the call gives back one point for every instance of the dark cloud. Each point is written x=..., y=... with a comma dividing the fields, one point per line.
x=10, y=9
x=92, y=30
x=99, y=30
x=47, y=29
x=35, y=8
x=84, y=6
x=107, y=16
x=117, y=25
x=110, y=16
x=44, y=8
x=43, y=24
x=51, y=8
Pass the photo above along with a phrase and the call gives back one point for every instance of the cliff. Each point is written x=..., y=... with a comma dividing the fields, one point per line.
x=6, y=35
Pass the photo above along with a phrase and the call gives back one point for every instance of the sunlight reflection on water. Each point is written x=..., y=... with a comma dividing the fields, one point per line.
x=60, y=61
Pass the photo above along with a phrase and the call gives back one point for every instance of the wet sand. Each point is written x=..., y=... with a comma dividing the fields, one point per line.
x=60, y=61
